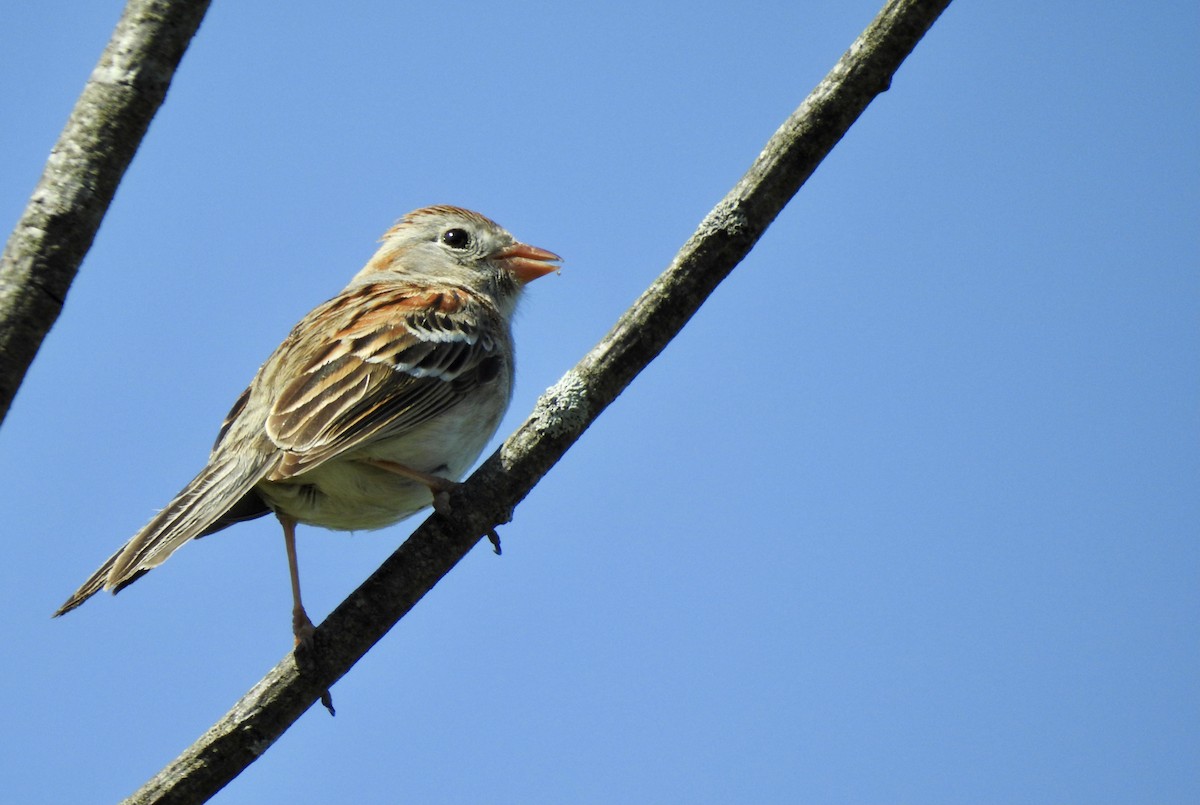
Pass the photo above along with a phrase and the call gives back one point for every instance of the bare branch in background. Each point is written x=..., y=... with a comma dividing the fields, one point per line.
x=81, y=176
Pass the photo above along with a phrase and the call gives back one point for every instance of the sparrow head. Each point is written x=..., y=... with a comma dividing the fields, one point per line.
x=452, y=245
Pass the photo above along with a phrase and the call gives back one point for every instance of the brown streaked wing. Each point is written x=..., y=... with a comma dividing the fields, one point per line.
x=396, y=362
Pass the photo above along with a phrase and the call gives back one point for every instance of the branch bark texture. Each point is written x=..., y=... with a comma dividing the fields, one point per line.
x=560, y=416
x=104, y=130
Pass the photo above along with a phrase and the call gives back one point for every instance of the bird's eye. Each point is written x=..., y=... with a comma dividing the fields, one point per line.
x=456, y=238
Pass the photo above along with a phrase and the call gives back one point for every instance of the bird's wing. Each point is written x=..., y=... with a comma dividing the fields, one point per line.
x=399, y=357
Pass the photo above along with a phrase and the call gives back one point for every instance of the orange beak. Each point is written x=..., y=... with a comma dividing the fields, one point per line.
x=527, y=263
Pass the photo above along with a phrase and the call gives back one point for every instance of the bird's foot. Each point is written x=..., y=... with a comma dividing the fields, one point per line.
x=441, y=495
x=304, y=632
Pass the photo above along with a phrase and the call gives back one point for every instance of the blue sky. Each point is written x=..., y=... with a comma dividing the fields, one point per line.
x=908, y=513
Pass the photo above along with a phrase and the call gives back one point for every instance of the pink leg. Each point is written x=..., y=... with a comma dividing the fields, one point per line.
x=440, y=487
x=302, y=627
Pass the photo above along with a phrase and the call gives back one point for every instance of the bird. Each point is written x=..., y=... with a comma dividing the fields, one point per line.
x=371, y=409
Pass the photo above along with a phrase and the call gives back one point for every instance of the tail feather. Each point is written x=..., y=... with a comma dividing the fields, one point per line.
x=93, y=585
x=215, y=498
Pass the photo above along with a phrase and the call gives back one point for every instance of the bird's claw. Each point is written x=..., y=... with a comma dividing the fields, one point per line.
x=441, y=502
x=306, y=646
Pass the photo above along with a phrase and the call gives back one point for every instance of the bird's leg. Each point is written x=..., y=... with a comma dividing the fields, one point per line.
x=302, y=627
x=440, y=487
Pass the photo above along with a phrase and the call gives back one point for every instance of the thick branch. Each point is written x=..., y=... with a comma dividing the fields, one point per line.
x=560, y=416
x=103, y=132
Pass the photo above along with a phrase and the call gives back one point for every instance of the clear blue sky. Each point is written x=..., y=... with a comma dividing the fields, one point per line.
x=910, y=512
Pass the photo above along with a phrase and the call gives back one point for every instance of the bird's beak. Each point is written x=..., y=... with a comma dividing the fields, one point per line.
x=527, y=263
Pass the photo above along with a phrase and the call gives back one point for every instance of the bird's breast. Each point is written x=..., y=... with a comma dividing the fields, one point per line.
x=346, y=494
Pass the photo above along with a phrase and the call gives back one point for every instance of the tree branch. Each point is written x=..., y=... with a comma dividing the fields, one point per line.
x=560, y=416
x=81, y=176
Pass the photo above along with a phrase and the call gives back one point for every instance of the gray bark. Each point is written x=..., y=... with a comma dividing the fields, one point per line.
x=81, y=176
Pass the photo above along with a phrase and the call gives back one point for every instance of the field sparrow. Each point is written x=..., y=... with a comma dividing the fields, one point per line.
x=376, y=402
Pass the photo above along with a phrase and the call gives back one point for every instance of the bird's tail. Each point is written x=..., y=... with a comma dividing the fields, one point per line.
x=221, y=495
